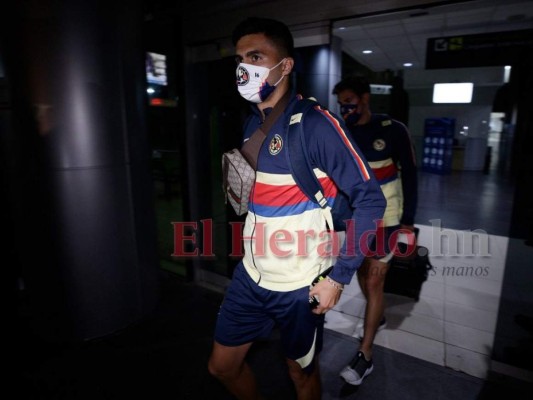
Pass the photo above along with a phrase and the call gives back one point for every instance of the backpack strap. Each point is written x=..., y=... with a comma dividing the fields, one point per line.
x=299, y=162
x=302, y=171
x=250, y=148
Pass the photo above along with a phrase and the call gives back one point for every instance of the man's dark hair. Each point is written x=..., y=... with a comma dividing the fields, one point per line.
x=274, y=30
x=356, y=83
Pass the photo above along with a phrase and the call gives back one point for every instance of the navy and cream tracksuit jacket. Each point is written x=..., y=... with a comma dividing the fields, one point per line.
x=387, y=147
x=286, y=241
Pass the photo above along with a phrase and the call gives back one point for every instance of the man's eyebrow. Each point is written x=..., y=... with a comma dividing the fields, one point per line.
x=253, y=53
x=248, y=54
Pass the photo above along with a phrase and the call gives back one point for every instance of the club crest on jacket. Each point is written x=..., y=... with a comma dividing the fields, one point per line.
x=276, y=144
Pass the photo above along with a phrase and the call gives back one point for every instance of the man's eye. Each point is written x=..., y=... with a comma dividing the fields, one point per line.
x=255, y=58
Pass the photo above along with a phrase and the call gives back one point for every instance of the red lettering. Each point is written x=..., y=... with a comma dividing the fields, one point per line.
x=380, y=239
x=350, y=242
x=411, y=243
x=237, y=239
x=282, y=236
x=331, y=246
x=207, y=237
x=302, y=241
x=180, y=238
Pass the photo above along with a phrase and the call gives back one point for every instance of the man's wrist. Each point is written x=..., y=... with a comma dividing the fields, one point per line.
x=335, y=284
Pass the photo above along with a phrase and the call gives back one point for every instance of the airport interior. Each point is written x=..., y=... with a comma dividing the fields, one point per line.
x=118, y=243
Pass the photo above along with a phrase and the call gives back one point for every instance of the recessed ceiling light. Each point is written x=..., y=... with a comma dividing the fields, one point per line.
x=341, y=28
x=367, y=51
x=407, y=64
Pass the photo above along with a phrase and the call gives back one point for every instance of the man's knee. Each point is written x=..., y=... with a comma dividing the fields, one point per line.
x=298, y=375
x=227, y=362
x=214, y=368
x=375, y=284
x=375, y=276
x=296, y=372
x=220, y=370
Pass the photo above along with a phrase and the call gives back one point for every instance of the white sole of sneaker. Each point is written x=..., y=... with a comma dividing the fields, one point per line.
x=348, y=375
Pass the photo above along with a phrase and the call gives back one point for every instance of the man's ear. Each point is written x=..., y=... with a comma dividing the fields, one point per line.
x=288, y=65
x=365, y=98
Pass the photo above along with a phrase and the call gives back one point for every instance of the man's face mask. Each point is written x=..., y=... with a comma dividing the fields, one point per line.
x=350, y=114
x=252, y=82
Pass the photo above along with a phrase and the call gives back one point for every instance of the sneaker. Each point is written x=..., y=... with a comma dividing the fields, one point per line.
x=360, y=328
x=358, y=369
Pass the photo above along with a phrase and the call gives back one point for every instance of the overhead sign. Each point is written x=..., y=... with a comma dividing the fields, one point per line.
x=482, y=50
x=380, y=89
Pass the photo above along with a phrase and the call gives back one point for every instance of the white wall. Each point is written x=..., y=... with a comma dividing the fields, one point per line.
x=475, y=115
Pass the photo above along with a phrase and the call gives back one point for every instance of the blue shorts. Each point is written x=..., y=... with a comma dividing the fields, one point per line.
x=250, y=312
x=384, y=243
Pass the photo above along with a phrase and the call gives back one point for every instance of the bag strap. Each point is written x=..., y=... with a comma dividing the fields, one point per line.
x=299, y=162
x=250, y=149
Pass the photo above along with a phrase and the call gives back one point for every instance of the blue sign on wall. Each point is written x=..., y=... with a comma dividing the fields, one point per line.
x=438, y=145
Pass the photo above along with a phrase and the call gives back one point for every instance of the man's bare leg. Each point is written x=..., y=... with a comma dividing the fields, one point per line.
x=307, y=386
x=227, y=364
x=373, y=281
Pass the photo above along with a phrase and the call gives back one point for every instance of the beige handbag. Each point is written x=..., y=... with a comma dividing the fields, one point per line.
x=238, y=179
x=238, y=166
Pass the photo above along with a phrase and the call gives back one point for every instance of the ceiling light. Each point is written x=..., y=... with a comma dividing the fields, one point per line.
x=367, y=51
x=506, y=73
x=407, y=64
x=341, y=28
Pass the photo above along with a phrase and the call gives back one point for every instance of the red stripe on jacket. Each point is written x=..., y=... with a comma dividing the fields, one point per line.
x=347, y=143
x=283, y=195
x=385, y=172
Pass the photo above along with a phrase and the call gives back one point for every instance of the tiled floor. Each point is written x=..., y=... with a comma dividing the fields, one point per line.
x=165, y=357
x=458, y=321
x=466, y=200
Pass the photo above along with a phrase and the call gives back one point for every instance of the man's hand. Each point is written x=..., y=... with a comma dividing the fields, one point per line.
x=328, y=292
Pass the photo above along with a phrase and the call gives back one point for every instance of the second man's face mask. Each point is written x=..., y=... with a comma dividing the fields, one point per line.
x=350, y=114
x=252, y=82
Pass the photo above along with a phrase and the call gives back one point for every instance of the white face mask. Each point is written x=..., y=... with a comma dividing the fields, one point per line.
x=252, y=82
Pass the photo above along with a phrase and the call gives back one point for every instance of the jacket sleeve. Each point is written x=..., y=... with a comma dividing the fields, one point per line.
x=335, y=153
x=405, y=158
